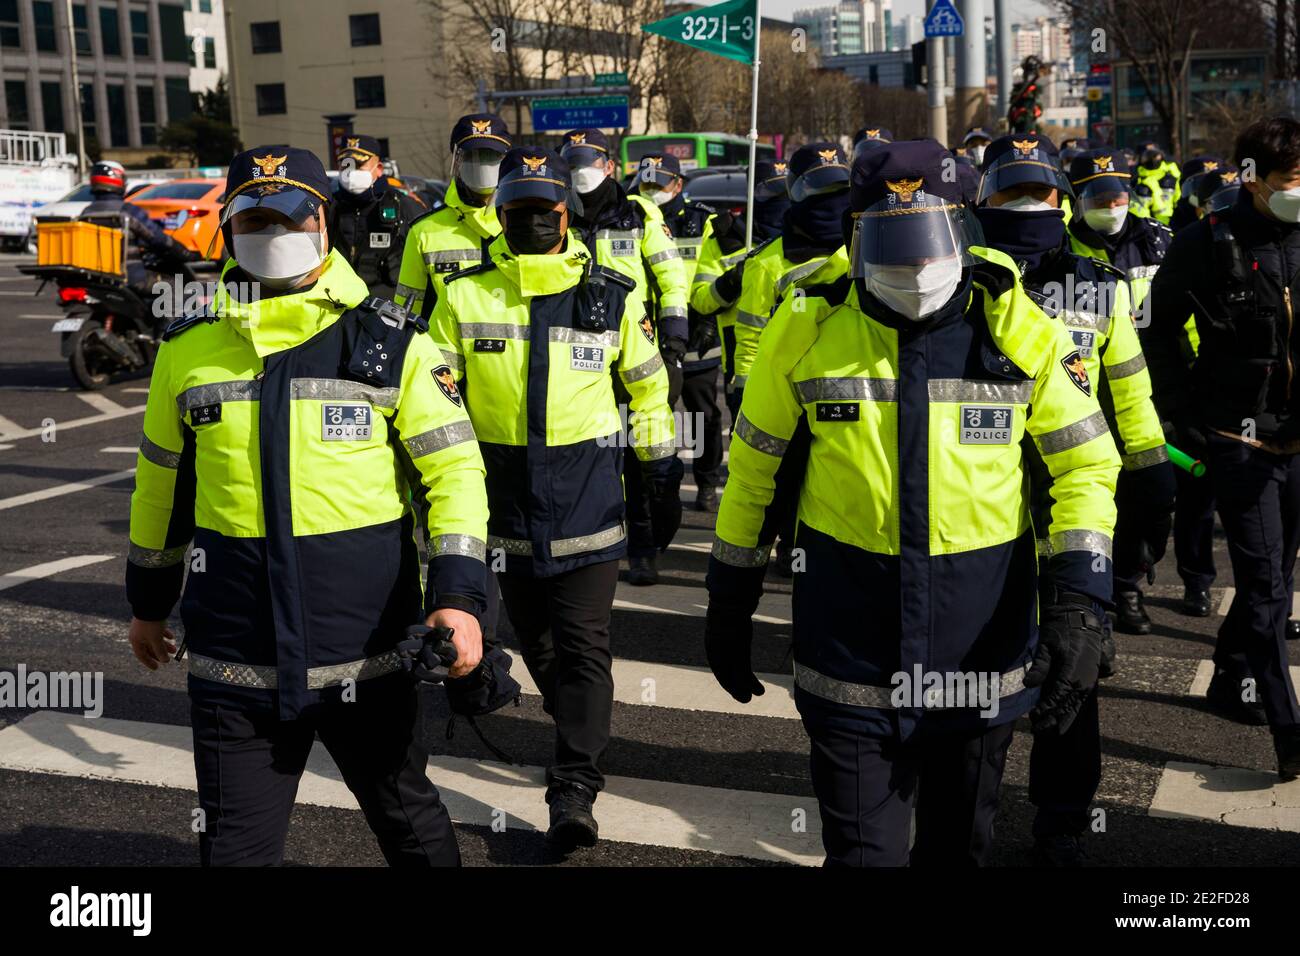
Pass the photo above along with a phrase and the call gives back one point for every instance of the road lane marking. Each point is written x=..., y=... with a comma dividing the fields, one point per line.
x=1205, y=670
x=1231, y=795
x=138, y=390
x=116, y=450
x=45, y=317
x=49, y=569
x=774, y=608
x=71, y=487
x=100, y=403
x=8, y=427
x=76, y=422
x=745, y=823
x=1225, y=602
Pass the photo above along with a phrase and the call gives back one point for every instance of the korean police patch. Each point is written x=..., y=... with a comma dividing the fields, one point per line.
x=985, y=425
x=347, y=421
x=1078, y=372
x=1084, y=340
x=447, y=383
x=623, y=247
x=587, y=358
x=647, y=329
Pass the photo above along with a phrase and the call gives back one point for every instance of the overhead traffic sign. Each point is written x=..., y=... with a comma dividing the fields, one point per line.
x=571, y=112
x=726, y=29
x=943, y=20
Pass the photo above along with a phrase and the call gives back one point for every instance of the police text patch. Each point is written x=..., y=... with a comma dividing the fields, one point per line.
x=1085, y=341
x=587, y=358
x=837, y=411
x=347, y=421
x=205, y=414
x=380, y=240
x=489, y=345
x=985, y=425
x=623, y=247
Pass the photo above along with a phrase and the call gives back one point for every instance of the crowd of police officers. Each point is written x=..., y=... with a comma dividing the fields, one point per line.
x=935, y=367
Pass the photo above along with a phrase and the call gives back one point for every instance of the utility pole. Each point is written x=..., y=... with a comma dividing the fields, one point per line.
x=936, y=74
x=76, y=90
x=1002, y=44
x=972, y=74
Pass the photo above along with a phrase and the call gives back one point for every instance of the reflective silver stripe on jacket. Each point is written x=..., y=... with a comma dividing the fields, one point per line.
x=738, y=381
x=798, y=272
x=436, y=439
x=151, y=558
x=1072, y=436
x=663, y=256
x=751, y=319
x=582, y=337
x=845, y=389
x=1145, y=459
x=672, y=312
x=619, y=234
x=159, y=455
x=1094, y=542
x=338, y=389
x=873, y=695
x=453, y=255
x=263, y=676
x=715, y=352
x=644, y=370
x=247, y=390
x=738, y=557
x=654, y=452
x=563, y=547
x=1142, y=272
x=759, y=440
x=1124, y=369
x=454, y=360
x=462, y=544
x=407, y=290
x=966, y=390
x=493, y=330
x=1077, y=319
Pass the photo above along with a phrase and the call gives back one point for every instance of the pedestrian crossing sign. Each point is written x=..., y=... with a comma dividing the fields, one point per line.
x=943, y=20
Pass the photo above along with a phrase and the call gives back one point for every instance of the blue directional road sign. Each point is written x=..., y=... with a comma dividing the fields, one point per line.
x=572, y=112
x=943, y=20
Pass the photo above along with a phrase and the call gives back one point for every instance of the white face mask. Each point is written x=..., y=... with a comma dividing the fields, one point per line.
x=480, y=177
x=1107, y=221
x=915, y=292
x=278, y=256
x=976, y=153
x=660, y=197
x=587, y=179
x=1027, y=204
x=355, y=181
x=1284, y=203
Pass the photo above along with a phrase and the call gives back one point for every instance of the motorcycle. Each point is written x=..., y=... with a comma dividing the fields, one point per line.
x=108, y=326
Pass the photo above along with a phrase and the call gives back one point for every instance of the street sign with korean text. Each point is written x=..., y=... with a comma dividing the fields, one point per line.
x=726, y=29
x=943, y=20
x=572, y=112
x=610, y=79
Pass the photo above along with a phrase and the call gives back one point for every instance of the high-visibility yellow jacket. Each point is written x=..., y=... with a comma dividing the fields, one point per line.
x=670, y=273
x=1136, y=251
x=913, y=513
x=439, y=244
x=288, y=438
x=532, y=340
x=1161, y=205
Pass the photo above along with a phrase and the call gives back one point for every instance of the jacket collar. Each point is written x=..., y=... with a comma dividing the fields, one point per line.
x=545, y=274
x=482, y=219
x=278, y=322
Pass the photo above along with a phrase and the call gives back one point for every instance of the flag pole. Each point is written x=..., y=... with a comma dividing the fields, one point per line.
x=753, y=128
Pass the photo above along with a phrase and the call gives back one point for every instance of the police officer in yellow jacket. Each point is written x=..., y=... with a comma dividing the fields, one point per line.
x=451, y=237
x=918, y=639
x=631, y=237
x=1020, y=197
x=287, y=431
x=533, y=335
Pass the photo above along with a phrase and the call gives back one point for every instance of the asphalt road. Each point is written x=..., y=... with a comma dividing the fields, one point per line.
x=696, y=780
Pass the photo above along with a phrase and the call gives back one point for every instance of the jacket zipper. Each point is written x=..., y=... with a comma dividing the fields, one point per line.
x=1290, y=321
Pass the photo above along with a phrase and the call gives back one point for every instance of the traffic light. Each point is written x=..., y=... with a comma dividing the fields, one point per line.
x=918, y=64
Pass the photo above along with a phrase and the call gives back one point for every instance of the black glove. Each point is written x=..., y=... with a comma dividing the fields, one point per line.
x=663, y=481
x=427, y=654
x=728, y=638
x=728, y=287
x=1189, y=437
x=1067, y=663
x=673, y=350
x=486, y=688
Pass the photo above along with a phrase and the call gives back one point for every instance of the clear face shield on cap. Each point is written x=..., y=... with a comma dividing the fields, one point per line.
x=910, y=250
x=1221, y=199
x=477, y=168
x=1104, y=203
x=1017, y=169
x=819, y=180
x=587, y=165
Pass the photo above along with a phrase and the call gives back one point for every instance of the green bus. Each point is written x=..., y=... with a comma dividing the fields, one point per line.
x=692, y=149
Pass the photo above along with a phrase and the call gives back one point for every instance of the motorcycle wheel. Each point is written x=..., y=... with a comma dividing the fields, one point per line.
x=91, y=370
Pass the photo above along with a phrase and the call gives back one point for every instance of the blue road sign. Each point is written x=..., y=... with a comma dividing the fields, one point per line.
x=943, y=20
x=596, y=112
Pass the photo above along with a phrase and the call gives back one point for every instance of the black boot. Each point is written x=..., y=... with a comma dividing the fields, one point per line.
x=1059, y=849
x=1196, y=602
x=1130, y=615
x=706, y=499
x=572, y=823
x=641, y=571
x=1287, y=747
x=1224, y=696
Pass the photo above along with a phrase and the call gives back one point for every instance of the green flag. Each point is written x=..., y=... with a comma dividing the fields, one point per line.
x=726, y=29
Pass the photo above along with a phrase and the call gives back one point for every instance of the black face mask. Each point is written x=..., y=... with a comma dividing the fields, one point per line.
x=532, y=232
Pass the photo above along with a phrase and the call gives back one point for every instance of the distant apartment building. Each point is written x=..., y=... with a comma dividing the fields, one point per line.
x=133, y=64
x=907, y=30
x=849, y=28
x=205, y=25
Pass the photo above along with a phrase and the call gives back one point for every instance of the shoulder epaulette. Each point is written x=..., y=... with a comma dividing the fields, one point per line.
x=487, y=265
x=1105, y=268
x=834, y=292
x=187, y=322
x=613, y=275
x=997, y=278
x=704, y=207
